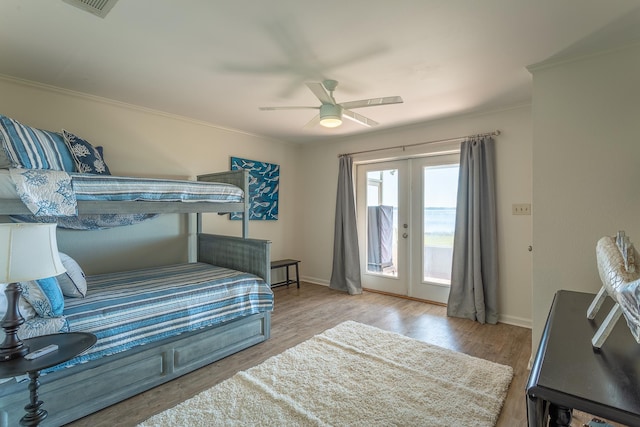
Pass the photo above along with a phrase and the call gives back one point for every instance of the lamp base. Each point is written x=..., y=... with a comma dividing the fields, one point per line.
x=7, y=354
x=12, y=347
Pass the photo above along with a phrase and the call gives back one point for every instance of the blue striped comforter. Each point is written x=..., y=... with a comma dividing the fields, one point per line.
x=129, y=309
x=122, y=188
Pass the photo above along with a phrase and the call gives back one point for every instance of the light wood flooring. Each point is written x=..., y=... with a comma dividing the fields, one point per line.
x=302, y=313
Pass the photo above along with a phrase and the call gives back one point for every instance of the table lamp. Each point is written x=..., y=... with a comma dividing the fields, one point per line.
x=27, y=252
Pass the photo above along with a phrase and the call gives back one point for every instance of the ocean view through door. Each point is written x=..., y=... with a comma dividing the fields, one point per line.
x=406, y=219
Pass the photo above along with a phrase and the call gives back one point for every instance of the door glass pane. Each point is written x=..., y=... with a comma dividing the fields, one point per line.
x=440, y=193
x=382, y=222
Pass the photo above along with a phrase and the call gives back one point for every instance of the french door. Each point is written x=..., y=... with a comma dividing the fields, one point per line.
x=406, y=217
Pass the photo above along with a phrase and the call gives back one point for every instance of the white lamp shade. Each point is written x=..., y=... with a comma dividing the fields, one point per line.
x=28, y=252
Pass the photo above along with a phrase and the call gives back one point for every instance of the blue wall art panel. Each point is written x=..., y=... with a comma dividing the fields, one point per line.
x=264, y=182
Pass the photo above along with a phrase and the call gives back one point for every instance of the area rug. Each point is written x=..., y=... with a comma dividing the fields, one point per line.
x=353, y=375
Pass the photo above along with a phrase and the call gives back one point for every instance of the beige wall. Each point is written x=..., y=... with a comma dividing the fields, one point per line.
x=318, y=192
x=586, y=168
x=149, y=143
x=142, y=142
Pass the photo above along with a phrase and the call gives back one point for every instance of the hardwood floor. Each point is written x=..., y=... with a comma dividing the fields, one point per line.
x=302, y=313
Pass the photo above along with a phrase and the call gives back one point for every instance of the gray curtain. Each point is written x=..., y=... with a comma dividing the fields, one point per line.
x=346, y=257
x=474, y=275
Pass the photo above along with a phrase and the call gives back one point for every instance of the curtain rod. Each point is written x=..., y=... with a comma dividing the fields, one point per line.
x=478, y=135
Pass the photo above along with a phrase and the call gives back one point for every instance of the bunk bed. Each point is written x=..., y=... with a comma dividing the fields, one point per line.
x=89, y=384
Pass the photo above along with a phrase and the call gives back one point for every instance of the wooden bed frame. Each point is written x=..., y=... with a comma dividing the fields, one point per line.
x=72, y=393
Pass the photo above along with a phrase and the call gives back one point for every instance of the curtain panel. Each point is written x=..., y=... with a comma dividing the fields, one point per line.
x=345, y=275
x=474, y=276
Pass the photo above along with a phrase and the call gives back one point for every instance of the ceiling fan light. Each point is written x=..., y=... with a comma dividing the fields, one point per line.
x=330, y=115
x=331, y=121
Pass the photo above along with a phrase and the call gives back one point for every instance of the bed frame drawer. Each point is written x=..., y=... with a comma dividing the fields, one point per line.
x=72, y=393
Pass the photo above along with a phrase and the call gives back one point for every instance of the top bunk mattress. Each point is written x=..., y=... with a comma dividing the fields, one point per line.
x=90, y=187
x=122, y=188
x=133, y=308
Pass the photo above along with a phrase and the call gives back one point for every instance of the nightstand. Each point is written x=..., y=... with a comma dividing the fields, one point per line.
x=69, y=346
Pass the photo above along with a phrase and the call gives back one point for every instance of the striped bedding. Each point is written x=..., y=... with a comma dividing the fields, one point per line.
x=122, y=188
x=133, y=308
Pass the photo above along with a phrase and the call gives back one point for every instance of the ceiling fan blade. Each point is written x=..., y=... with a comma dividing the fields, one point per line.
x=321, y=93
x=358, y=118
x=287, y=108
x=372, y=102
x=313, y=122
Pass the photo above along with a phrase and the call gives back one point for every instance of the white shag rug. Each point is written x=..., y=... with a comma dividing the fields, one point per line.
x=353, y=375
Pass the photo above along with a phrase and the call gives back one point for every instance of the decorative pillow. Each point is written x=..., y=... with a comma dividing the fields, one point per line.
x=26, y=310
x=40, y=326
x=87, y=157
x=31, y=148
x=68, y=162
x=73, y=282
x=3, y=300
x=45, y=296
x=5, y=163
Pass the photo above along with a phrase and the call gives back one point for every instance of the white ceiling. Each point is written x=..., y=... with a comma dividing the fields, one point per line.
x=219, y=60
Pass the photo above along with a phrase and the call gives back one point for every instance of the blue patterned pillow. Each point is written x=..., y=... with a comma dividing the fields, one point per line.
x=68, y=162
x=87, y=157
x=45, y=296
x=31, y=148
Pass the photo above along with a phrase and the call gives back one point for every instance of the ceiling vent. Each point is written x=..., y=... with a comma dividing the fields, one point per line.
x=97, y=7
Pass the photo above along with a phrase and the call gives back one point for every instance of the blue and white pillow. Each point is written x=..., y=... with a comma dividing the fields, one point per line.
x=31, y=148
x=45, y=296
x=86, y=156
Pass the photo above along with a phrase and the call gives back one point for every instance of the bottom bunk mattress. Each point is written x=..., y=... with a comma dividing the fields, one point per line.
x=133, y=308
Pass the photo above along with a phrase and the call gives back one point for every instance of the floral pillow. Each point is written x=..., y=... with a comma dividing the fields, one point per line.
x=88, y=159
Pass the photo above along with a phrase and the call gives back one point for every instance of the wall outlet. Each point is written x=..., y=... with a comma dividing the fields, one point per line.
x=521, y=209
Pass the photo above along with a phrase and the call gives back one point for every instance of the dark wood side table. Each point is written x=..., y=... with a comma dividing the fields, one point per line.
x=568, y=373
x=285, y=263
x=69, y=346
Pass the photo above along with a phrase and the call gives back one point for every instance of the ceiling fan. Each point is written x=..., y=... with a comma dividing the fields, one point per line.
x=331, y=112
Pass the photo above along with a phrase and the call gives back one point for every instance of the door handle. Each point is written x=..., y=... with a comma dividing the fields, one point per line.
x=405, y=235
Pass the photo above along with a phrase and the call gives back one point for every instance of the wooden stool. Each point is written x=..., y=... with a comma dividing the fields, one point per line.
x=286, y=263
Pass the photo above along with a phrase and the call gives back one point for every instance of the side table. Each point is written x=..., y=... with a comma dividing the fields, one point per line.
x=568, y=373
x=69, y=346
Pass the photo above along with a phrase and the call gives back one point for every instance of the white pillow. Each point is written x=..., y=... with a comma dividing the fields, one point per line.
x=3, y=300
x=26, y=310
x=5, y=163
x=73, y=282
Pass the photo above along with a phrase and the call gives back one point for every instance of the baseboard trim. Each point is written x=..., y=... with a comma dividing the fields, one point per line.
x=314, y=280
x=515, y=321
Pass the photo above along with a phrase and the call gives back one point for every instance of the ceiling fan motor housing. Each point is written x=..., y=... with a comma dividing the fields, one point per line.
x=330, y=115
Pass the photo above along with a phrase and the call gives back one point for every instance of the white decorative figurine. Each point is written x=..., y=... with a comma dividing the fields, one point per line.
x=616, y=259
